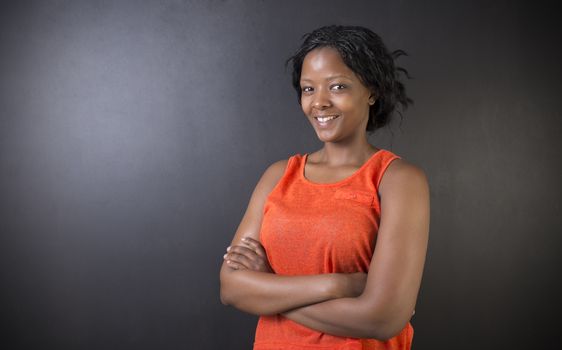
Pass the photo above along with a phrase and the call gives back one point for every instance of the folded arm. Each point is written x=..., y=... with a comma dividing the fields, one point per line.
x=263, y=293
x=387, y=302
x=249, y=284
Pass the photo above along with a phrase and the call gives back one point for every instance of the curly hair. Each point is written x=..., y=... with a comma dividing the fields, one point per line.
x=365, y=54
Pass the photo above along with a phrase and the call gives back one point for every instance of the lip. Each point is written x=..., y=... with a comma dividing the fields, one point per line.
x=327, y=124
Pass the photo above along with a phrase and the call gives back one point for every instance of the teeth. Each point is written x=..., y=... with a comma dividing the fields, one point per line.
x=325, y=119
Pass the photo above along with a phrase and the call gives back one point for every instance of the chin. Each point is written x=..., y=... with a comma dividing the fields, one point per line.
x=326, y=137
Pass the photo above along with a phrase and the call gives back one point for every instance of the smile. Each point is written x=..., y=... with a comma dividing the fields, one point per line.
x=325, y=119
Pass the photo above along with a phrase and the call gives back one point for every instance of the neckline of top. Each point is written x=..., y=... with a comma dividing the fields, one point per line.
x=303, y=164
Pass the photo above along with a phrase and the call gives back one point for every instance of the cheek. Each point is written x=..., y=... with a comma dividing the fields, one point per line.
x=346, y=104
x=353, y=104
x=305, y=105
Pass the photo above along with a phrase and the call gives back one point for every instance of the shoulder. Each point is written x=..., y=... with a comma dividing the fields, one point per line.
x=272, y=175
x=275, y=171
x=405, y=199
x=402, y=175
x=277, y=168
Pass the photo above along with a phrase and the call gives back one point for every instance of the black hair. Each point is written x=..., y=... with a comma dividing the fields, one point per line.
x=365, y=54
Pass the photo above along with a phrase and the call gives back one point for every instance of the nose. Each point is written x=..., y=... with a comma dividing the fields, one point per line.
x=321, y=100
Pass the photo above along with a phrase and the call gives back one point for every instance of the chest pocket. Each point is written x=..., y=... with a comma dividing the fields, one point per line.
x=355, y=196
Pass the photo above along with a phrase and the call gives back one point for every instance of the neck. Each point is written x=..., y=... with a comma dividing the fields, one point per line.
x=357, y=151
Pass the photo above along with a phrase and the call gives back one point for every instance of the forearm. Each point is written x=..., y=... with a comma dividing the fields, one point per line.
x=346, y=317
x=261, y=293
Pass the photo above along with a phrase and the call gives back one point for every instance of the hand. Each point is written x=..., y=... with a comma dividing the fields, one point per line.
x=251, y=256
x=351, y=285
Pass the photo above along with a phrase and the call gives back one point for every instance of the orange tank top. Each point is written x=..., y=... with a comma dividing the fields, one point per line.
x=313, y=228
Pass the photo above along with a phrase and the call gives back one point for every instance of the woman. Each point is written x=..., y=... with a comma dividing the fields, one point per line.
x=330, y=252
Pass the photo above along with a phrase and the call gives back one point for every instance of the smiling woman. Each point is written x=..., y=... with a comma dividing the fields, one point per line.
x=333, y=97
x=331, y=249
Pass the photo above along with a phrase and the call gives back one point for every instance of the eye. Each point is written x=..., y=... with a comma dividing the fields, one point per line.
x=338, y=87
x=306, y=89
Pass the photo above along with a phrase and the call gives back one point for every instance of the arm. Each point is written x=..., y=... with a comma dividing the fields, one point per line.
x=394, y=278
x=261, y=292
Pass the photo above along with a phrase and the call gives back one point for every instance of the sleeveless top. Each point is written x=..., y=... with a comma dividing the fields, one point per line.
x=314, y=228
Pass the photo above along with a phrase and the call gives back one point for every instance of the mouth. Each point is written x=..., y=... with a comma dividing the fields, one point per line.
x=325, y=120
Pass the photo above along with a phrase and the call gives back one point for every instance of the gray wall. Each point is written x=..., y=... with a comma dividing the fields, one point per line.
x=133, y=132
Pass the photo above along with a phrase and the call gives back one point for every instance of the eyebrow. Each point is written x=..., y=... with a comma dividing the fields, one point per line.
x=331, y=77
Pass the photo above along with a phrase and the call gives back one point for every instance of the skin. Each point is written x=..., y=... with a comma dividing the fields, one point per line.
x=378, y=304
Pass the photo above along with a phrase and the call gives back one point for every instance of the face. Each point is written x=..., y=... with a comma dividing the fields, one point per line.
x=333, y=98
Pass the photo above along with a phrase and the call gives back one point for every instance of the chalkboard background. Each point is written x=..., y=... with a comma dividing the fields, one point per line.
x=133, y=132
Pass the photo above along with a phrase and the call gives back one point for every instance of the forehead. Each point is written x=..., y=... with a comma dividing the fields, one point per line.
x=324, y=61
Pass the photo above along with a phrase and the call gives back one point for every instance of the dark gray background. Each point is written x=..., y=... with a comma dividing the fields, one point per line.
x=133, y=132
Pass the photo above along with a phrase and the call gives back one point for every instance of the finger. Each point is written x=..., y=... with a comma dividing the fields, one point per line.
x=235, y=265
x=256, y=246
x=250, y=253
x=239, y=259
x=256, y=261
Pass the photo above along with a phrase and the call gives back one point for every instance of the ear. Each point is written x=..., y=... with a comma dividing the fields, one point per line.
x=372, y=99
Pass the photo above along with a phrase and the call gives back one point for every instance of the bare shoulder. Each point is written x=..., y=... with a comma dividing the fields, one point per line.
x=277, y=169
x=402, y=175
x=265, y=185
x=272, y=175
